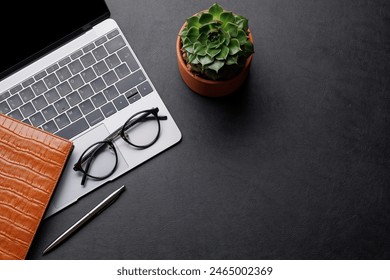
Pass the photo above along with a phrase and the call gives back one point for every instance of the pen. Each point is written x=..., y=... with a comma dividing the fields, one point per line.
x=91, y=214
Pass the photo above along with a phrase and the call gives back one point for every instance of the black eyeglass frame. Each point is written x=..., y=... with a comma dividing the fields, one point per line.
x=91, y=151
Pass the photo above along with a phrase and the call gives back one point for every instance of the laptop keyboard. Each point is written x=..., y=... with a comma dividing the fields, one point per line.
x=80, y=90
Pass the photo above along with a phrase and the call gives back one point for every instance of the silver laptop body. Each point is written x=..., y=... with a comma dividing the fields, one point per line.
x=120, y=84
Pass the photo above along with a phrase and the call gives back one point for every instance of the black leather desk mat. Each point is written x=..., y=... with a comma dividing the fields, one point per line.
x=294, y=166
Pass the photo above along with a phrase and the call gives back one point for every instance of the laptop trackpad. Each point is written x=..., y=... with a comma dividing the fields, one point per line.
x=70, y=189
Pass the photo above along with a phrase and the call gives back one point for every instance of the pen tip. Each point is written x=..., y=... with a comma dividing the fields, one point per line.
x=47, y=250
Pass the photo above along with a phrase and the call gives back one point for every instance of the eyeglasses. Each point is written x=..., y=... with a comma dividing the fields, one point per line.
x=141, y=131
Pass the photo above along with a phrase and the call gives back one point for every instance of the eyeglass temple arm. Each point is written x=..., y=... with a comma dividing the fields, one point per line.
x=117, y=132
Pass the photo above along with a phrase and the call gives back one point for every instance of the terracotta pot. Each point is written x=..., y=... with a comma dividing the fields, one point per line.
x=206, y=87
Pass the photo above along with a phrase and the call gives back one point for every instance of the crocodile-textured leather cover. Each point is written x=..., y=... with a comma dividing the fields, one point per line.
x=31, y=163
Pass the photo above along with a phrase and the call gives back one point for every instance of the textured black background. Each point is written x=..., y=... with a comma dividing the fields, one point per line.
x=294, y=166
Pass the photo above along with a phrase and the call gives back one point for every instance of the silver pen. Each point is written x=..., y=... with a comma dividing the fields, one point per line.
x=91, y=214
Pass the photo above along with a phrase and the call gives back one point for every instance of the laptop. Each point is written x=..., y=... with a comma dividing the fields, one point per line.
x=67, y=68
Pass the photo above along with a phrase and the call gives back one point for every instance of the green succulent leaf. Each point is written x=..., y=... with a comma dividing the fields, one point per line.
x=184, y=32
x=202, y=39
x=216, y=65
x=205, y=60
x=191, y=58
x=212, y=52
x=193, y=21
x=242, y=37
x=216, y=10
x=232, y=29
x=205, y=18
x=205, y=28
x=227, y=17
x=223, y=54
x=193, y=33
x=212, y=45
x=234, y=47
x=248, y=48
x=232, y=60
x=199, y=49
x=242, y=23
x=189, y=48
x=227, y=38
x=186, y=42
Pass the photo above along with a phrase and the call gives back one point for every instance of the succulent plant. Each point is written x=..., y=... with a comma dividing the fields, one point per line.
x=215, y=43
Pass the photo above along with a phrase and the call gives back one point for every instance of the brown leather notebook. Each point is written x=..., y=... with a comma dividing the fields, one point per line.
x=31, y=163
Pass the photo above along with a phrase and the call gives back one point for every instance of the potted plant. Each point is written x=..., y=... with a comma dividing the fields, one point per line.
x=214, y=51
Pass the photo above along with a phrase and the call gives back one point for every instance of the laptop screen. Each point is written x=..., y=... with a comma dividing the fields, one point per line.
x=31, y=28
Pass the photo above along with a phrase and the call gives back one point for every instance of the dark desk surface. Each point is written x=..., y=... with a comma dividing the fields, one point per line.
x=296, y=165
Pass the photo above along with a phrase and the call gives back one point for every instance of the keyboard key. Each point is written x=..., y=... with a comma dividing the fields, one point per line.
x=108, y=110
x=74, y=114
x=134, y=98
x=115, y=44
x=50, y=127
x=145, y=88
x=73, y=98
x=52, y=95
x=37, y=119
x=27, y=110
x=62, y=121
x=122, y=71
x=4, y=108
x=61, y=105
x=100, y=41
x=120, y=102
x=51, y=81
x=89, y=48
x=74, y=129
x=76, y=82
x=112, y=61
x=95, y=117
x=63, y=73
x=27, y=121
x=100, y=68
x=16, y=115
x=99, y=53
x=64, y=88
x=86, y=91
x=98, y=100
x=27, y=94
x=87, y=60
x=126, y=56
x=39, y=87
x=16, y=89
x=39, y=103
x=75, y=67
x=40, y=75
x=4, y=95
x=111, y=93
x=49, y=112
x=52, y=68
x=110, y=78
x=76, y=54
x=28, y=82
x=14, y=101
x=131, y=92
x=98, y=84
x=64, y=61
x=130, y=81
x=112, y=34
x=88, y=75
x=86, y=107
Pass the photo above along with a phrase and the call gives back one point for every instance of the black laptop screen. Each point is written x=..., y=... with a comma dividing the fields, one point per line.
x=31, y=28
